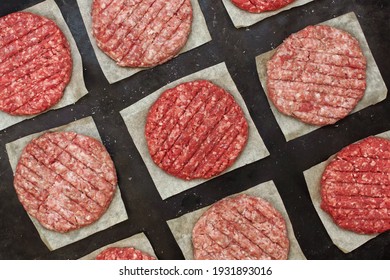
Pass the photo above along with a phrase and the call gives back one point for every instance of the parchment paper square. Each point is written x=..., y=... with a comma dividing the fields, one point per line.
x=241, y=18
x=182, y=227
x=199, y=35
x=76, y=87
x=376, y=89
x=116, y=212
x=135, y=119
x=346, y=240
x=138, y=241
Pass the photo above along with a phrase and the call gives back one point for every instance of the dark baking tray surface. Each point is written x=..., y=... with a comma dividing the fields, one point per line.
x=238, y=48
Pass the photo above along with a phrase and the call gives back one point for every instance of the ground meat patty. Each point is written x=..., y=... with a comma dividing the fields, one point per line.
x=240, y=227
x=65, y=180
x=141, y=33
x=195, y=130
x=355, y=186
x=35, y=63
x=126, y=253
x=317, y=75
x=259, y=6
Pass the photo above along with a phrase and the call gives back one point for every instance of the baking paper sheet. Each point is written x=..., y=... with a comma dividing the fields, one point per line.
x=182, y=227
x=116, y=212
x=138, y=241
x=376, y=89
x=76, y=87
x=241, y=18
x=346, y=240
x=135, y=119
x=199, y=35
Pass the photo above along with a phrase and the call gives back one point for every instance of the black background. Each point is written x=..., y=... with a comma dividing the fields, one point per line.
x=147, y=212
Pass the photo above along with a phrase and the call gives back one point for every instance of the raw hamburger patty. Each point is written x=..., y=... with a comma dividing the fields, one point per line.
x=355, y=186
x=240, y=227
x=258, y=6
x=317, y=75
x=141, y=33
x=195, y=130
x=35, y=63
x=65, y=180
x=127, y=253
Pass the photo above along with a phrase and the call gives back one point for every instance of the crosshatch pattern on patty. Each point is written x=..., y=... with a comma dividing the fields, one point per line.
x=317, y=75
x=35, y=63
x=195, y=130
x=65, y=180
x=141, y=33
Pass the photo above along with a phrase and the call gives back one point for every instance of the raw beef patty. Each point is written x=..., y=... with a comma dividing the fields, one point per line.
x=195, y=130
x=141, y=33
x=317, y=75
x=65, y=180
x=258, y=6
x=355, y=186
x=126, y=253
x=35, y=63
x=240, y=227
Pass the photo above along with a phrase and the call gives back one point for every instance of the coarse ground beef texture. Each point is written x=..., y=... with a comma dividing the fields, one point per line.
x=259, y=6
x=195, y=130
x=65, y=180
x=355, y=186
x=141, y=33
x=241, y=227
x=35, y=63
x=125, y=253
x=317, y=75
